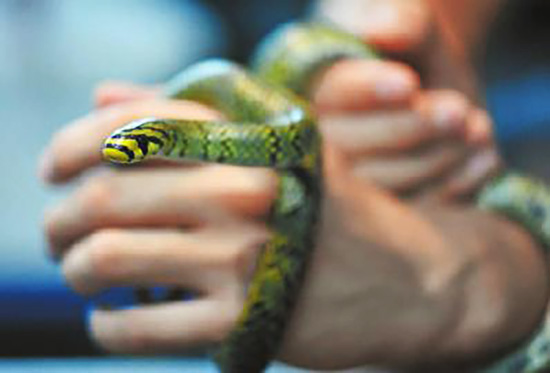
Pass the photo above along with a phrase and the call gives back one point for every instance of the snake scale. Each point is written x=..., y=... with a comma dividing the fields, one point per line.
x=269, y=124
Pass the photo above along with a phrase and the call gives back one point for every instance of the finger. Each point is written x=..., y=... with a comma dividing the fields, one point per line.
x=436, y=116
x=114, y=92
x=165, y=328
x=363, y=84
x=154, y=198
x=408, y=171
x=479, y=131
x=206, y=261
x=445, y=109
x=469, y=178
x=77, y=147
x=389, y=25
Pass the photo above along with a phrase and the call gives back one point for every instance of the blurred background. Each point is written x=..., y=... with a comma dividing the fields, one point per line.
x=53, y=53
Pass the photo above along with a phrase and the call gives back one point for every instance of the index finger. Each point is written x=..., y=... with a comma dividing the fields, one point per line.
x=360, y=85
x=76, y=148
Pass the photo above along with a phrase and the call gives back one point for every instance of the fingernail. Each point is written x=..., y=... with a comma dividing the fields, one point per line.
x=394, y=85
x=479, y=128
x=450, y=115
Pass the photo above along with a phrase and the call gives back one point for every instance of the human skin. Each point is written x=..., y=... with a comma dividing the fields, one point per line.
x=411, y=141
x=390, y=283
x=465, y=23
x=410, y=31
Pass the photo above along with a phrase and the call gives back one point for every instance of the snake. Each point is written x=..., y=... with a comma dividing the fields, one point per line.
x=525, y=200
x=269, y=123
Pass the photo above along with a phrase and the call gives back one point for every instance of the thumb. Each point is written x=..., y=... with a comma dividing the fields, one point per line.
x=359, y=85
x=392, y=26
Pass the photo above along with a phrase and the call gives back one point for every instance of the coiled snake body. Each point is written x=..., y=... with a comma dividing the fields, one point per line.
x=268, y=125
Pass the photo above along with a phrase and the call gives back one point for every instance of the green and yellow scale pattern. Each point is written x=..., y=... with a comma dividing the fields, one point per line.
x=269, y=125
x=526, y=201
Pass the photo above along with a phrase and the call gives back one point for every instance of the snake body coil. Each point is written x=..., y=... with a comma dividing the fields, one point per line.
x=270, y=126
x=526, y=201
x=267, y=126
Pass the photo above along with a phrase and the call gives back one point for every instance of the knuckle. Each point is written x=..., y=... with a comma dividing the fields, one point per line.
x=105, y=254
x=96, y=196
x=93, y=263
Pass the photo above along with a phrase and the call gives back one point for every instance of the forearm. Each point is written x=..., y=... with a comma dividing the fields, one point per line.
x=493, y=290
x=409, y=286
x=464, y=23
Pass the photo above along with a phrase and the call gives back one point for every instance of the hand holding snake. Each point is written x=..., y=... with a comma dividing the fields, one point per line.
x=161, y=133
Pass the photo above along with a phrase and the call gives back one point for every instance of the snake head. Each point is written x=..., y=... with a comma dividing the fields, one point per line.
x=134, y=142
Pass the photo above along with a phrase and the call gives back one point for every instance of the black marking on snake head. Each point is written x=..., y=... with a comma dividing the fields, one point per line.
x=158, y=130
x=123, y=148
x=143, y=141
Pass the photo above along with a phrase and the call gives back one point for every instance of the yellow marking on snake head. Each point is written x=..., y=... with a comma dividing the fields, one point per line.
x=115, y=155
x=122, y=150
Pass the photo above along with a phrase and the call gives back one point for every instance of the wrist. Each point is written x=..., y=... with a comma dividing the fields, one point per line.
x=494, y=294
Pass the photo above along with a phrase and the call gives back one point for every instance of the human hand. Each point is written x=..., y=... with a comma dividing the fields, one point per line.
x=411, y=141
x=178, y=226
x=415, y=32
x=408, y=140
x=196, y=228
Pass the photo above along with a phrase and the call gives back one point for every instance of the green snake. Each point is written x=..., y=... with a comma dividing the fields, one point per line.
x=526, y=201
x=269, y=124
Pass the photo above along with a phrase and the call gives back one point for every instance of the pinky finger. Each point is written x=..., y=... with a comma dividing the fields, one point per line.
x=164, y=328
